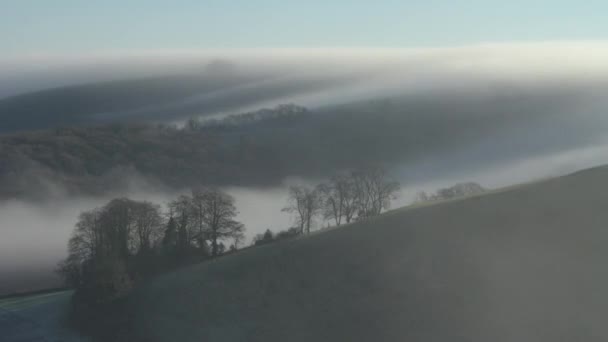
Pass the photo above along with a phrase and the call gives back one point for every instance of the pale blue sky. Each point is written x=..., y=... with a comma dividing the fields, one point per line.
x=77, y=26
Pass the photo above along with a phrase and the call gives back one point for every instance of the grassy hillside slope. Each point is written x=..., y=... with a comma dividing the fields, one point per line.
x=525, y=264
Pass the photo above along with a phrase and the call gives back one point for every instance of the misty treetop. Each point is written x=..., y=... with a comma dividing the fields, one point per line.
x=261, y=148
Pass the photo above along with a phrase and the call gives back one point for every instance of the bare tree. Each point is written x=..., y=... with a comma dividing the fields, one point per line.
x=304, y=203
x=117, y=226
x=422, y=197
x=374, y=189
x=455, y=191
x=103, y=243
x=339, y=199
x=237, y=239
x=180, y=210
x=119, y=229
x=83, y=246
x=197, y=203
x=169, y=241
x=332, y=202
x=217, y=217
x=87, y=236
x=148, y=225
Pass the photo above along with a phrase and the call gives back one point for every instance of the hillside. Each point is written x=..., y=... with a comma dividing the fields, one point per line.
x=262, y=148
x=157, y=99
x=524, y=264
x=109, y=101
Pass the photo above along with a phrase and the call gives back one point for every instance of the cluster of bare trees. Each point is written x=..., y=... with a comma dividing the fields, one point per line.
x=346, y=197
x=124, y=240
x=456, y=191
x=203, y=220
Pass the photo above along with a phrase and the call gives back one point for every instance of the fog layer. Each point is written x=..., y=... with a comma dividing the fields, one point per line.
x=313, y=78
x=535, y=110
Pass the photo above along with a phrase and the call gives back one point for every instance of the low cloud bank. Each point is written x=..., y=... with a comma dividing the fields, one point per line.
x=493, y=114
x=35, y=234
x=317, y=77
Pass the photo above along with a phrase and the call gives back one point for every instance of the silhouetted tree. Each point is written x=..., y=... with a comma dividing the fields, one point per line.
x=103, y=244
x=421, y=197
x=71, y=271
x=217, y=217
x=339, y=198
x=374, y=189
x=197, y=203
x=183, y=242
x=287, y=234
x=148, y=225
x=262, y=239
x=117, y=220
x=237, y=239
x=304, y=203
x=181, y=210
x=170, y=237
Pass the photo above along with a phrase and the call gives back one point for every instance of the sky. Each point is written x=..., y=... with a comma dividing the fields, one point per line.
x=29, y=27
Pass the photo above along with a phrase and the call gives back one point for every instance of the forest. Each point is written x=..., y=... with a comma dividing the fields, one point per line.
x=260, y=148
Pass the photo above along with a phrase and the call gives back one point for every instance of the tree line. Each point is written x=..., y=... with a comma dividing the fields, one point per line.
x=346, y=197
x=252, y=149
x=114, y=246
x=456, y=191
x=125, y=241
